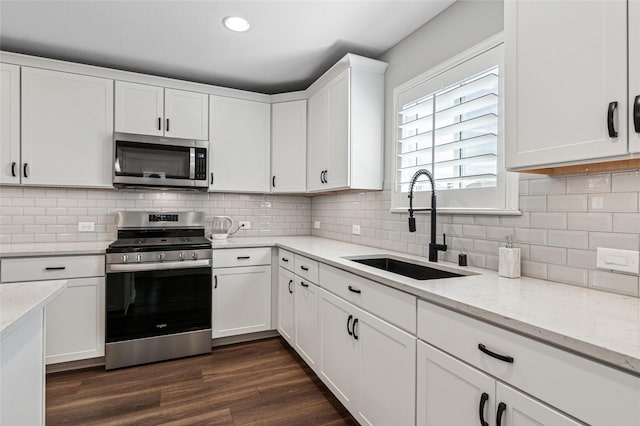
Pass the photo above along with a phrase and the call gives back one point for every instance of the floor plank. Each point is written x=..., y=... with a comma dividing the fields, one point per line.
x=263, y=382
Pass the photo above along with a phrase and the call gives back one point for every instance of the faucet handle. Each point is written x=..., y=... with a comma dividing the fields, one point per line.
x=412, y=224
x=444, y=238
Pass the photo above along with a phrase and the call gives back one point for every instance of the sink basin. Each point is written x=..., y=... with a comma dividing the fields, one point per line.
x=407, y=269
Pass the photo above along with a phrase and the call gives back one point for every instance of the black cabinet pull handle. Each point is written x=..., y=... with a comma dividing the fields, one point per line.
x=321, y=176
x=303, y=284
x=636, y=113
x=304, y=268
x=326, y=173
x=505, y=358
x=355, y=322
x=167, y=129
x=159, y=123
x=354, y=290
x=13, y=168
x=243, y=257
x=284, y=259
x=25, y=170
x=349, y=325
x=502, y=407
x=273, y=181
x=211, y=178
x=290, y=282
x=483, y=401
x=215, y=281
x=55, y=268
x=610, y=125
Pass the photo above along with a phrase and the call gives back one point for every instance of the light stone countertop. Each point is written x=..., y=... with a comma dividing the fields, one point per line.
x=53, y=249
x=19, y=300
x=600, y=325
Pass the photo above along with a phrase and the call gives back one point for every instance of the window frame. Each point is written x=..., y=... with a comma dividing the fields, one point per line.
x=509, y=180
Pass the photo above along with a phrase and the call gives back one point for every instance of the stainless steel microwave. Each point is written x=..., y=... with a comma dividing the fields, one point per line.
x=158, y=162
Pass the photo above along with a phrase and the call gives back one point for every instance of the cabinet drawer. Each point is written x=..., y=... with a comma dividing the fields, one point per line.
x=51, y=268
x=587, y=390
x=286, y=259
x=385, y=302
x=306, y=268
x=226, y=258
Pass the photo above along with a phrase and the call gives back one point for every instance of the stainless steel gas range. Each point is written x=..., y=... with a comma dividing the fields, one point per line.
x=158, y=293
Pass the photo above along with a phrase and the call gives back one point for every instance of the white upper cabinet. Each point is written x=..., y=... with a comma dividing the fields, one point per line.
x=156, y=111
x=634, y=76
x=345, y=127
x=289, y=147
x=566, y=81
x=239, y=145
x=67, y=129
x=9, y=123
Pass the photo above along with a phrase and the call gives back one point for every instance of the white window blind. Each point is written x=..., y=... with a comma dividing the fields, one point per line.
x=449, y=122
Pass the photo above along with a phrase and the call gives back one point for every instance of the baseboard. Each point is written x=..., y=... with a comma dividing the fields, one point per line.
x=223, y=341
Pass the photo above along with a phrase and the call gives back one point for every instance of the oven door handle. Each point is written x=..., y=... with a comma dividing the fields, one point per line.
x=158, y=266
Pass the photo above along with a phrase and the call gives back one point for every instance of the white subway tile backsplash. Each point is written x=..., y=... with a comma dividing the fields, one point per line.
x=584, y=259
x=533, y=203
x=626, y=222
x=546, y=254
x=588, y=184
x=534, y=269
x=614, y=202
x=474, y=231
x=617, y=283
x=547, y=186
x=590, y=221
x=531, y=236
x=568, y=274
x=613, y=240
x=545, y=220
x=569, y=239
x=626, y=182
x=567, y=203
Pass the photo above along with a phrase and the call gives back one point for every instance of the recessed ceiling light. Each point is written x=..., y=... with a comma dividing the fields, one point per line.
x=236, y=23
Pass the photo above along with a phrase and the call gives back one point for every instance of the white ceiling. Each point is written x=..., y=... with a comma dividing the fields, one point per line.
x=289, y=45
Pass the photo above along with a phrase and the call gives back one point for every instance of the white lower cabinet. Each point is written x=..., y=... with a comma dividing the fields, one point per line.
x=367, y=363
x=305, y=328
x=241, y=300
x=75, y=322
x=450, y=392
x=286, y=288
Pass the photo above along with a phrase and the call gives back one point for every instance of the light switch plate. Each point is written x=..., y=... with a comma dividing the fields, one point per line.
x=86, y=227
x=244, y=224
x=316, y=224
x=618, y=260
x=355, y=229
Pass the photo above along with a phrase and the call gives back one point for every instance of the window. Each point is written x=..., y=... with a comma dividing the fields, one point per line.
x=449, y=121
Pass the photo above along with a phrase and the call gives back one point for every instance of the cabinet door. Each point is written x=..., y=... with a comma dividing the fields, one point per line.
x=566, y=61
x=450, y=392
x=286, y=286
x=241, y=300
x=634, y=75
x=337, y=174
x=305, y=318
x=239, y=141
x=139, y=109
x=186, y=114
x=9, y=123
x=338, y=349
x=289, y=146
x=387, y=372
x=67, y=129
x=318, y=136
x=75, y=322
x=517, y=409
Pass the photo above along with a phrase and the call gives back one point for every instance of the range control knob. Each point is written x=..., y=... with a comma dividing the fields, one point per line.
x=138, y=257
x=125, y=258
x=194, y=255
x=182, y=255
x=161, y=256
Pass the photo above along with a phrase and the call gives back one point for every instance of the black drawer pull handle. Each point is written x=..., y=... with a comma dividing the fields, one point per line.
x=636, y=114
x=304, y=268
x=244, y=257
x=167, y=129
x=215, y=281
x=55, y=268
x=25, y=170
x=284, y=259
x=355, y=322
x=290, y=282
x=502, y=407
x=483, y=401
x=349, y=325
x=303, y=284
x=273, y=181
x=211, y=178
x=354, y=290
x=13, y=169
x=610, y=125
x=159, y=123
x=505, y=358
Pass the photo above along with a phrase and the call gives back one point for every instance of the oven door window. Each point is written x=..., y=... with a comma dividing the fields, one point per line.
x=152, y=161
x=156, y=303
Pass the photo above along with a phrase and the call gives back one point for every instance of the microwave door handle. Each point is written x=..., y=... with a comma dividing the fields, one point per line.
x=192, y=163
x=116, y=165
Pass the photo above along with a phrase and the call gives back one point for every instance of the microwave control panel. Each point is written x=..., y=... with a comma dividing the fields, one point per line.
x=201, y=164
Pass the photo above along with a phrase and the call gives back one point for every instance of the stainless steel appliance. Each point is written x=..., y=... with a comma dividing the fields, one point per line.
x=151, y=161
x=158, y=292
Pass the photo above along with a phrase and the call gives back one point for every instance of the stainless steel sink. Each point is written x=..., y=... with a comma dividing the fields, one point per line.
x=408, y=269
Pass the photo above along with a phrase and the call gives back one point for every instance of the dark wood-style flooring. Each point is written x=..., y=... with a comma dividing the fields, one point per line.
x=262, y=382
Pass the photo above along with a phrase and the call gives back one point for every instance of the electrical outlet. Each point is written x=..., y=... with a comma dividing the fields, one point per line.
x=244, y=224
x=86, y=227
x=316, y=224
x=617, y=260
x=355, y=229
